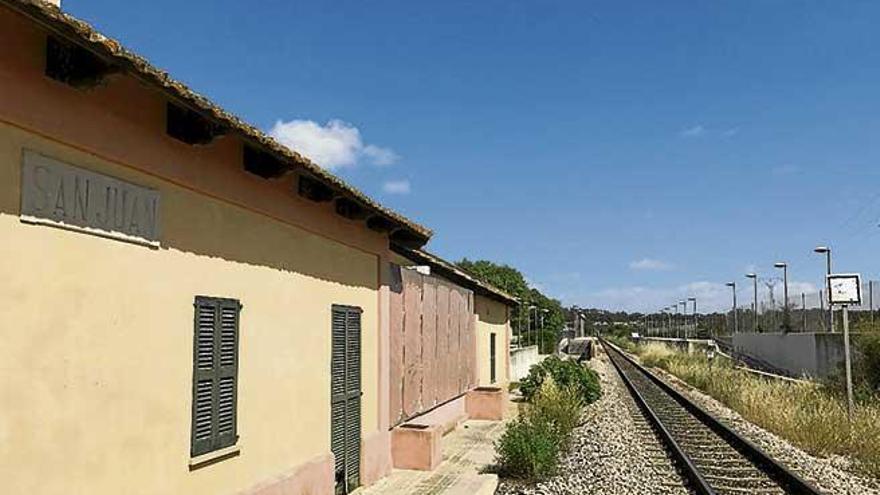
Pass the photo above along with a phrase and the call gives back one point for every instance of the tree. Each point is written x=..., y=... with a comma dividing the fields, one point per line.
x=524, y=323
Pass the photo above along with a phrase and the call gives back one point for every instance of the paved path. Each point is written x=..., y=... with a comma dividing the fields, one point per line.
x=466, y=451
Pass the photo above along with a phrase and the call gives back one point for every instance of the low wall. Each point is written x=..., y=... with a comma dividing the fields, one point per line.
x=815, y=355
x=521, y=360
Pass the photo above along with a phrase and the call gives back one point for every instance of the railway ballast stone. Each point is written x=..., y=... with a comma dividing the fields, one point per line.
x=614, y=451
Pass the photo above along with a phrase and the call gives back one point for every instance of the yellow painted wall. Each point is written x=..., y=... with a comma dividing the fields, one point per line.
x=492, y=317
x=96, y=341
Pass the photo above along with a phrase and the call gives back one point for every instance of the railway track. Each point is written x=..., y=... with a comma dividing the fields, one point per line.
x=712, y=457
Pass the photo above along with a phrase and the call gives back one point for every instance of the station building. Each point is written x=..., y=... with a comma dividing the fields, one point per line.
x=191, y=308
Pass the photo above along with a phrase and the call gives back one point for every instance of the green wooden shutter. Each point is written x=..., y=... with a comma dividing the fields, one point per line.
x=345, y=407
x=492, y=358
x=215, y=374
x=353, y=398
x=337, y=391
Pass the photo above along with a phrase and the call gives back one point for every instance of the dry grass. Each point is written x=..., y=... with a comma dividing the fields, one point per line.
x=808, y=415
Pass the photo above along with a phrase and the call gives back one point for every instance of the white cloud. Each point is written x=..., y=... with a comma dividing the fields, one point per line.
x=693, y=132
x=335, y=144
x=397, y=186
x=649, y=264
x=379, y=155
x=700, y=131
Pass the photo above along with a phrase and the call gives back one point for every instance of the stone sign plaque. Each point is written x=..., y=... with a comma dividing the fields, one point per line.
x=55, y=193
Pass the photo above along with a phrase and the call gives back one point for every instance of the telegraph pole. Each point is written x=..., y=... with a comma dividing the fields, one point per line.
x=754, y=277
x=786, y=316
x=732, y=285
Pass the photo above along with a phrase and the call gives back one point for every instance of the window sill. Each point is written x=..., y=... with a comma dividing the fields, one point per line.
x=215, y=456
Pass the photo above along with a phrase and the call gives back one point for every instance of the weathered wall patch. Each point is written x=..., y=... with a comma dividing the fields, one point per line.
x=55, y=193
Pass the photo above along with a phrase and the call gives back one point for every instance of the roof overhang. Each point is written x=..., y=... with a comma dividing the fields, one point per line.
x=455, y=274
x=117, y=59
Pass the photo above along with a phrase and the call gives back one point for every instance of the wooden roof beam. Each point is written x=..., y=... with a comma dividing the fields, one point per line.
x=74, y=65
x=190, y=127
x=350, y=209
x=263, y=164
x=314, y=190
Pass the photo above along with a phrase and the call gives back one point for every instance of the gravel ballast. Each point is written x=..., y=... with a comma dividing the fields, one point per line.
x=832, y=476
x=613, y=452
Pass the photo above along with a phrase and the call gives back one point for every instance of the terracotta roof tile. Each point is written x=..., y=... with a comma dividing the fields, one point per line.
x=79, y=31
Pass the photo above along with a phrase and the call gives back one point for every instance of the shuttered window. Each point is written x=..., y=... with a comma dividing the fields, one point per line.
x=215, y=374
x=345, y=390
x=492, y=358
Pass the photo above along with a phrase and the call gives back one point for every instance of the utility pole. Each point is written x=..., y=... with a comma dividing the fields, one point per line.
x=529, y=329
x=786, y=316
x=684, y=318
x=849, y=391
x=754, y=277
x=804, y=311
x=543, y=312
x=694, y=300
x=732, y=285
x=827, y=252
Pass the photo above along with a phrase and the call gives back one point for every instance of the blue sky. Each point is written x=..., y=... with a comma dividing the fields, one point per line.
x=621, y=154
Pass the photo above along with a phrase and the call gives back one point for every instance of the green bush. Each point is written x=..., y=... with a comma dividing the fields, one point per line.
x=867, y=366
x=528, y=449
x=530, y=446
x=559, y=407
x=567, y=374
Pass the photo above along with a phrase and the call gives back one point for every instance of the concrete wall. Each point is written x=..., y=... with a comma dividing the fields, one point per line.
x=521, y=360
x=96, y=360
x=492, y=318
x=810, y=354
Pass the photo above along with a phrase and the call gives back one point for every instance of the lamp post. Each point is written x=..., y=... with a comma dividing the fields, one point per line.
x=582, y=318
x=543, y=312
x=754, y=277
x=694, y=300
x=529, y=319
x=684, y=318
x=732, y=285
x=827, y=252
x=675, y=320
x=786, y=323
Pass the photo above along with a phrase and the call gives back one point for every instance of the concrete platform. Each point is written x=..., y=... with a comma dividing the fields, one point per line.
x=465, y=452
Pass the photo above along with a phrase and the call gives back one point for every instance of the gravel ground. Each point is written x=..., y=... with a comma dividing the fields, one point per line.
x=614, y=452
x=833, y=475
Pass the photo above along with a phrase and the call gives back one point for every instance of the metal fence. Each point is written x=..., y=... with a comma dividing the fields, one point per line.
x=806, y=312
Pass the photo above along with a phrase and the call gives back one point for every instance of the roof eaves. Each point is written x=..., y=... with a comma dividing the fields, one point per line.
x=422, y=256
x=82, y=33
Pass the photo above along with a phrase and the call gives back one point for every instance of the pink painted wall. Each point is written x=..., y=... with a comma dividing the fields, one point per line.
x=432, y=351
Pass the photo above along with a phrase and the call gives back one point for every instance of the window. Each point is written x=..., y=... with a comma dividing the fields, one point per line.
x=215, y=374
x=491, y=358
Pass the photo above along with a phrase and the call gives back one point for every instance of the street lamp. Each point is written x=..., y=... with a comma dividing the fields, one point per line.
x=785, y=316
x=675, y=320
x=529, y=320
x=732, y=285
x=754, y=277
x=684, y=319
x=694, y=300
x=543, y=312
x=668, y=311
x=827, y=252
